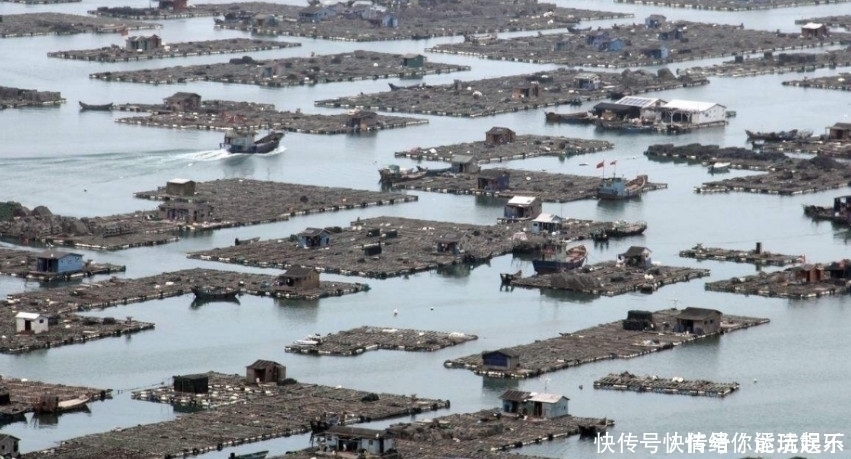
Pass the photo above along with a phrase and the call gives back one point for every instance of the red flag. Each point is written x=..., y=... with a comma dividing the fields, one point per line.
x=613, y=163
x=601, y=164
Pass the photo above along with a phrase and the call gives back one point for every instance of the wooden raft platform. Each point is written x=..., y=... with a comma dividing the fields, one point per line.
x=547, y=186
x=723, y=5
x=771, y=64
x=492, y=96
x=415, y=21
x=24, y=395
x=696, y=153
x=522, y=147
x=358, y=340
x=610, y=278
x=22, y=263
x=757, y=256
x=33, y=24
x=792, y=177
x=781, y=284
x=603, y=342
x=69, y=329
x=705, y=40
x=485, y=434
x=295, y=71
x=677, y=386
x=19, y=98
x=260, y=413
x=841, y=82
x=186, y=49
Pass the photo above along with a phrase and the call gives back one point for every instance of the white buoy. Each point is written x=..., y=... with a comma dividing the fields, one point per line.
x=754, y=380
x=395, y=312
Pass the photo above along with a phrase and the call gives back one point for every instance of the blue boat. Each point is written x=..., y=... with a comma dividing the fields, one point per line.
x=614, y=188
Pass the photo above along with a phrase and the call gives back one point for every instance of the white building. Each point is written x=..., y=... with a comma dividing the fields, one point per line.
x=546, y=223
x=30, y=322
x=693, y=113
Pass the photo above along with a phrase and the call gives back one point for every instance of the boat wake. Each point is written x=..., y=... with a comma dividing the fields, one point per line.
x=220, y=154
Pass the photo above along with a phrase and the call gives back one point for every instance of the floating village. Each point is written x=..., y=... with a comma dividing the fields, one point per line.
x=553, y=227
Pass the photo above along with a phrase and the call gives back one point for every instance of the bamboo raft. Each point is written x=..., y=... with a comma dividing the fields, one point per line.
x=22, y=263
x=791, y=178
x=757, y=257
x=677, y=386
x=193, y=48
x=841, y=82
x=522, y=147
x=34, y=24
x=781, y=284
x=722, y=5
x=603, y=342
x=359, y=340
x=25, y=394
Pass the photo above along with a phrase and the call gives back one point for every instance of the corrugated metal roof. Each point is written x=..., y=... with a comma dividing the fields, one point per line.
x=640, y=102
x=812, y=25
x=28, y=315
x=545, y=398
x=514, y=395
x=547, y=218
x=522, y=200
x=690, y=105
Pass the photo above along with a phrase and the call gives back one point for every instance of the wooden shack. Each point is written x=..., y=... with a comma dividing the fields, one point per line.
x=522, y=208
x=265, y=371
x=500, y=360
x=413, y=60
x=636, y=256
x=180, y=187
x=314, y=237
x=810, y=273
x=499, y=136
x=492, y=180
x=839, y=131
x=183, y=102
x=31, y=323
x=141, y=43
x=5, y=399
x=448, y=243
x=654, y=21
x=814, y=30
x=362, y=120
x=192, y=384
x=698, y=321
x=54, y=261
x=546, y=223
x=354, y=440
x=528, y=91
x=9, y=446
x=189, y=212
x=174, y=5
x=464, y=164
x=637, y=320
x=299, y=278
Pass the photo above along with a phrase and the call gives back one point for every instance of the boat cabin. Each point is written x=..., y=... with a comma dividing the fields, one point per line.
x=538, y=405
x=449, y=243
x=314, y=237
x=500, y=360
x=9, y=446
x=183, y=102
x=464, y=164
x=299, y=278
x=265, y=371
x=636, y=256
x=839, y=131
x=499, y=135
x=522, y=208
x=31, y=323
x=698, y=321
x=180, y=187
x=192, y=384
x=374, y=442
x=239, y=139
x=492, y=180
x=546, y=223
x=54, y=261
x=189, y=212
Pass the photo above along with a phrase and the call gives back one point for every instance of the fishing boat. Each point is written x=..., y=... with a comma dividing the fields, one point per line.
x=614, y=188
x=48, y=403
x=623, y=228
x=592, y=430
x=212, y=293
x=394, y=173
x=719, y=167
x=570, y=118
x=557, y=257
x=242, y=141
x=95, y=108
x=394, y=87
x=255, y=455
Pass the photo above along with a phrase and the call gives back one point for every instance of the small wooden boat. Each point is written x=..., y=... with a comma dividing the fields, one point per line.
x=394, y=173
x=394, y=87
x=95, y=108
x=212, y=293
x=570, y=118
x=592, y=430
x=615, y=188
x=255, y=455
x=242, y=141
x=719, y=167
x=623, y=228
